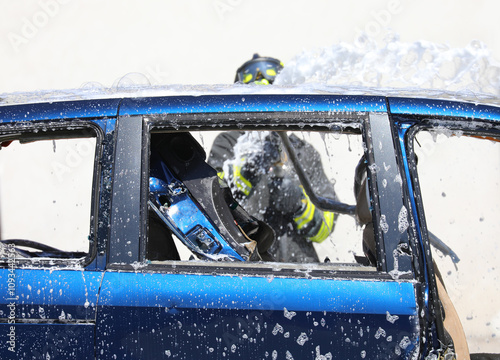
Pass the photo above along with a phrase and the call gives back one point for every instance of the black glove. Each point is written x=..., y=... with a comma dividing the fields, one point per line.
x=289, y=197
x=244, y=175
x=246, y=171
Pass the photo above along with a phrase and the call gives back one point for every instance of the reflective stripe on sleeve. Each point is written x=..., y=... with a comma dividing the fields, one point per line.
x=325, y=229
x=242, y=184
x=306, y=216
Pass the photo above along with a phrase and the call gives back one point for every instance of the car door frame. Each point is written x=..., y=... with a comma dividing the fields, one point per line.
x=55, y=302
x=128, y=225
x=409, y=116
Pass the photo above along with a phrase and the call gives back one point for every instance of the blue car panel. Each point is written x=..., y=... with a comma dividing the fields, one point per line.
x=251, y=103
x=90, y=109
x=443, y=108
x=254, y=317
x=49, y=312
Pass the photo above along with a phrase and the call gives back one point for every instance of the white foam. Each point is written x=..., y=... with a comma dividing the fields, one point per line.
x=395, y=68
x=397, y=64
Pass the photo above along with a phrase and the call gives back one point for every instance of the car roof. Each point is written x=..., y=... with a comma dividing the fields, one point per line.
x=101, y=103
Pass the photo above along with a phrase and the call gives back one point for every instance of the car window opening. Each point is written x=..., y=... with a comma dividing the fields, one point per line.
x=458, y=175
x=238, y=198
x=46, y=203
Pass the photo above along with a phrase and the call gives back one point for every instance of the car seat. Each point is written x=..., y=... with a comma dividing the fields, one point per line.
x=363, y=210
x=231, y=227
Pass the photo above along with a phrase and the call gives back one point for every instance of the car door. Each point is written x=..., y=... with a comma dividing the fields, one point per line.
x=452, y=153
x=338, y=307
x=50, y=185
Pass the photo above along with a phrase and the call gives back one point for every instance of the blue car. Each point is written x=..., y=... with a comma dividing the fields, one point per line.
x=124, y=236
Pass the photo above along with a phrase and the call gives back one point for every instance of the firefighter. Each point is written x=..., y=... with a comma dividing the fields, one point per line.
x=261, y=178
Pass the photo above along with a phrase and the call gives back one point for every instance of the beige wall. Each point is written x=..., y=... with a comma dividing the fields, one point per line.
x=53, y=44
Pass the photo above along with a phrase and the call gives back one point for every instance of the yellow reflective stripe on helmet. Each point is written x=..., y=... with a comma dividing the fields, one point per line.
x=325, y=229
x=306, y=216
x=271, y=72
x=247, y=78
x=242, y=184
x=261, y=82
